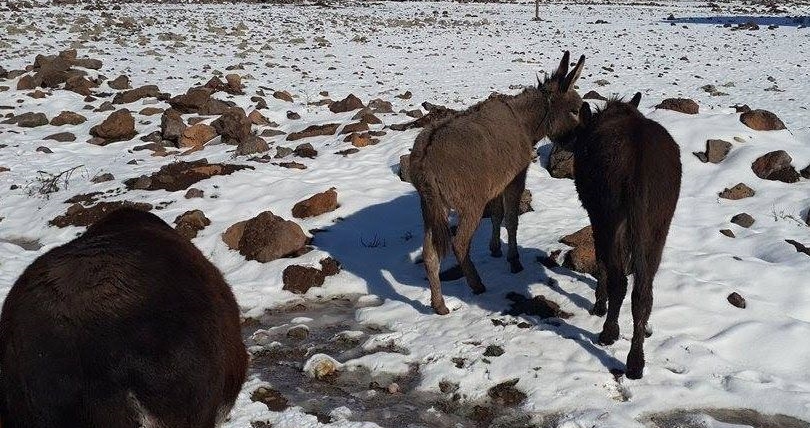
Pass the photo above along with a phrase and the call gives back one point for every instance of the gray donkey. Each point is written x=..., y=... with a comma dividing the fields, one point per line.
x=479, y=156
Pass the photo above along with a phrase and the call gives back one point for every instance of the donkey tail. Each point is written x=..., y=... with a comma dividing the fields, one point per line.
x=435, y=218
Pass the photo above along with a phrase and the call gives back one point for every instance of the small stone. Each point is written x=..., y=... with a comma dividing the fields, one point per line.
x=252, y=145
x=44, y=149
x=62, y=137
x=316, y=205
x=739, y=191
x=775, y=166
x=330, y=266
x=305, y=151
x=717, y=150
x=283, y=95
x=101, y=178
x=119, y=126
x=299, y=279
x=283, y=152
x=191, y=222
x=761, y=120
x=493, y=351
x=68, y=118
x=194, y=192
x=736, y=300
x=120, y=83
x=743, y=220
x=728, y=233
x=313, y=131
x=682, y=105
x=293, y=115
x=349, y=103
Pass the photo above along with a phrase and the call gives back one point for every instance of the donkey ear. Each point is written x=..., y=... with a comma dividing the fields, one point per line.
x=562, y=69
x=636, y=99
x=584, y=114
x=569, y=81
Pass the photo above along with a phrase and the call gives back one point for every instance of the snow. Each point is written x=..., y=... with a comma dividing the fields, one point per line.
x=703, y=353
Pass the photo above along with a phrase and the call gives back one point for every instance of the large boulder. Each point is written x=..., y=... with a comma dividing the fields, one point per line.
x=317, y=204
x=233, y=126
x=775, y=166
x=266, y=237
x=119, y=126
x=682, y=105
x=761, y=120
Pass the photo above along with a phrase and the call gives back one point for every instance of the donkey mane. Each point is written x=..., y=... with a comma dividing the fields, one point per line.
x=529, y=92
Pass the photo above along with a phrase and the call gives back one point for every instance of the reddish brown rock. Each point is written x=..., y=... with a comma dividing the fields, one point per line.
x=252, y=145
x=181, y=175
x=317, y=204
x=561, y=162
x=191, y=222
x=172, y=125
x=682, y=105
x=26, y=83
x=62, y=137
x=330, y=266
x=234, y=126
x=404, y=168
x=349, y=103
x=119, y=126
x=354, y=127
x=283, y=95
x=126, y=97
x=78, y=215
x=775, y=166
x=68, y=118
x=299, y=279
x=740, y=191
x=761, y=120
x=305, y=150
x=268, y=237
x=314, y=131
x=197, y=135
x=120, y=83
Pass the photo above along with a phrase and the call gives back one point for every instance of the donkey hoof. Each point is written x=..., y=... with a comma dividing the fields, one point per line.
x=440, y=309
x=608, y=336
x=599, y=309
x=496, y=253
x=515, y=266
x=479, y=289
x=635, y=370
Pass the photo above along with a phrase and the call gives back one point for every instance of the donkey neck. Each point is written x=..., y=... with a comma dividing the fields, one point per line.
x=530, y=109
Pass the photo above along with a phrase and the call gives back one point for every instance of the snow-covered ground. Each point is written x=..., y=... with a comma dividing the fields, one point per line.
x=704, y=353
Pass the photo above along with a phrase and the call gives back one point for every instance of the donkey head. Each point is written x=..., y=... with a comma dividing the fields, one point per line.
x=562, y=101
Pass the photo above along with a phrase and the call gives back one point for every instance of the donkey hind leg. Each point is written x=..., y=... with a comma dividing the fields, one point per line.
x=432, y=265
x=645, y=266
x=600, y=305
x=495, y=207
x=468, y=222
x=609, y=248
x=511, y=205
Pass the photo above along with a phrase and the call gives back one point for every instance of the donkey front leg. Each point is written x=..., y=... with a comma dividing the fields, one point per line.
x=468, y=222
x=511, y=205
x=495, y=207
x=432, y=262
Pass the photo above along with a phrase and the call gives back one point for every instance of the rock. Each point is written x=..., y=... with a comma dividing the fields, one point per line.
x=736, y=300
x=101, y=178
x=269, y=133
x=293, y=115
x=593, y=95
x=268, y=237
x=728, y=232
x=581, y=259
x=120, y=83
x=198, y=100
x=561, y=162
x=194, y=193
x=716, y=151
x=91, y=63
x=197, y=135
x=78, y=215
x=119, y=126
x=150, y=111
x=349, y=103
x=740, y=191
x=126, y=97
x=506, y=394
x=316, y=205
x=775, y=166
x=314, y=131
x=257, y=118
x=79, y=85
x=360, y=140
x=233, y=234
x=252, y=145
x=683, y=105
x=493, y=351
x=43, y=149
x=525, y=205
x=806, y=172
x=172, y=125
x=404, y=168
x=181, y=175
x=354, y=127
x=299, y=279
x=305, y=151
x=283, y=96
x=274, y=401
x=28, y=120
x=283, y=152
x=62, y=137
x=234, y=83
x=191, y=222
x=801, y=248
x=233, y=126
x=321, y=366
x=416, y=114
x=105, y=106
x=330, y=266
x=380, y=106
x=26, y=83
x=743, y=220
x=761, y=120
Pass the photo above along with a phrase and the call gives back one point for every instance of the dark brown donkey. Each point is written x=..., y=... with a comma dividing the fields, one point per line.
x=481, y=155
x=128, y=325
x=627, y=171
